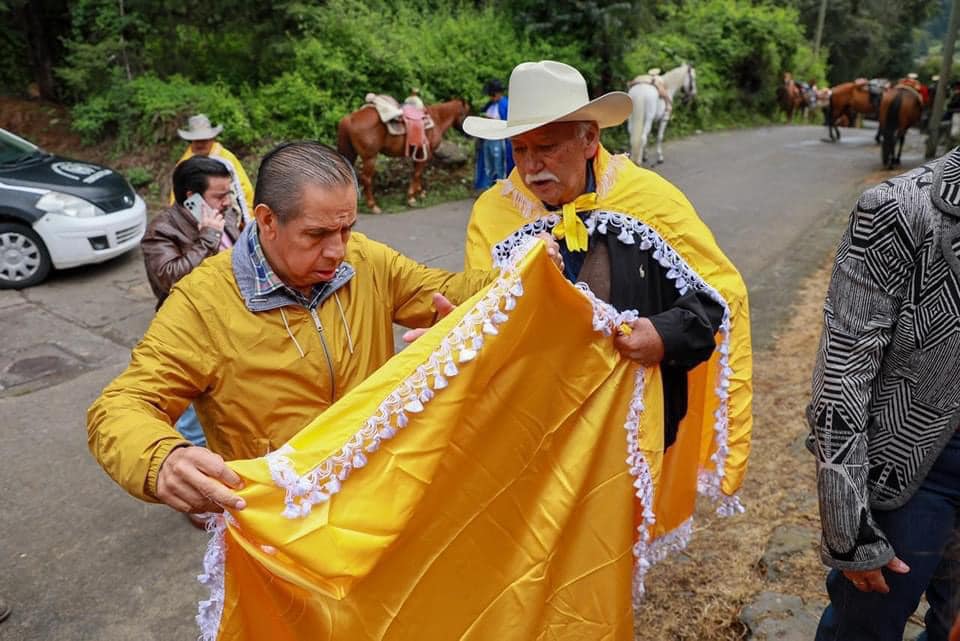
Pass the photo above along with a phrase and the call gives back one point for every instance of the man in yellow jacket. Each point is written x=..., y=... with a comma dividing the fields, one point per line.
x=264, y=337
x=201, y=135
x=637, y=244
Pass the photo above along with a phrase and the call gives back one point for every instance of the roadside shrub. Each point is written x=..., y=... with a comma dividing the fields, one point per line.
x=139, y=177
x=148, y=110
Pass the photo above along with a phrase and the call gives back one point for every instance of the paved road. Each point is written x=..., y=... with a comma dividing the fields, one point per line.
x=82, y=561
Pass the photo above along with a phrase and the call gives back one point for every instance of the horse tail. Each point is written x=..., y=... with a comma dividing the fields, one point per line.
x=344, y=144
x=892, y=120
x=635, y=127
x=890, y=125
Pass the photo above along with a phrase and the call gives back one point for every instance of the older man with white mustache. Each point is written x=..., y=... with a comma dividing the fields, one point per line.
x=636, y=242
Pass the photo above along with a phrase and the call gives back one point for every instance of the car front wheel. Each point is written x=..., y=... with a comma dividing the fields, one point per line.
x=24, y=260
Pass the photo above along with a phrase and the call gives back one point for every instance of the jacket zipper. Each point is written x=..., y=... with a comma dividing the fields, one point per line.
x=326, y=353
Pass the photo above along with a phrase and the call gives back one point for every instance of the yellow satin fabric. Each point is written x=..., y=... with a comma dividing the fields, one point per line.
x=625, y=188
x=571, y=227
x=503, y=511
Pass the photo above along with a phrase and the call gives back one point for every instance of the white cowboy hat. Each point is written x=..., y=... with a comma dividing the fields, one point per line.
x=912, y=75
x=653, y=71
x=199, y=128
x=547, y=91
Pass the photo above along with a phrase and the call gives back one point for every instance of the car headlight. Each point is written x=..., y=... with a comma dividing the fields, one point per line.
x=57, y=202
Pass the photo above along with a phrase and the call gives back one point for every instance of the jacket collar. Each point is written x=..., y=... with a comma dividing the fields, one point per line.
x=244, y=272
x=945, y=193
x=945, y=190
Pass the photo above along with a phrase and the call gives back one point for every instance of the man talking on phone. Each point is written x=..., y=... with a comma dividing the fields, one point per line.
x=200, y=223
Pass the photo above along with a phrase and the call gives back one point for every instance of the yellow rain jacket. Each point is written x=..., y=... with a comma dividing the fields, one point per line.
x=713, y=442
x=256, y=379
x=242, y=186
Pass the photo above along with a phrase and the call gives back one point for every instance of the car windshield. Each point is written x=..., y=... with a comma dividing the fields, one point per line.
x=14, y=149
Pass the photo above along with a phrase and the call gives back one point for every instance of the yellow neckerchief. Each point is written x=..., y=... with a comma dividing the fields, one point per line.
x=571, y=226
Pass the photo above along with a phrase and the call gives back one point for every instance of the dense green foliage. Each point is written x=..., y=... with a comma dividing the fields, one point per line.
x=740, y=51
x=279, y=69
x=868, y=38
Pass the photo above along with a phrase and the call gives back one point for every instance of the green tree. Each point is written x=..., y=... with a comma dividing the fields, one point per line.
x=868, y=37
x=603, y=30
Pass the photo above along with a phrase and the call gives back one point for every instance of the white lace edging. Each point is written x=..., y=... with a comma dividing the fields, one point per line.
x=461, y=345
x=210, y=611
x=643, y=484
x=685, y=278
x=650, y=553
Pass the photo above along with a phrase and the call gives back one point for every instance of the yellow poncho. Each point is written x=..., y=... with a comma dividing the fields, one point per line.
x=486, y=483
x=714, y=439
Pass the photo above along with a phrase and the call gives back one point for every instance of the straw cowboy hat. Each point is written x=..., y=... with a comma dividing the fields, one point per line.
x=199, y=128
x=547, y=91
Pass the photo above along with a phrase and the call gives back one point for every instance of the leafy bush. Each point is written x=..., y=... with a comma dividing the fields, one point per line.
x=351, y=48
x=139, y=177
x=148, y=110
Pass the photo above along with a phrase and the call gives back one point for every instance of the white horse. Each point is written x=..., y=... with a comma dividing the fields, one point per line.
x=649, y=107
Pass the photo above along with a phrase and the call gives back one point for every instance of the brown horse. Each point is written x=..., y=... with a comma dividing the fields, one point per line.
x=900, y=109
x=790, y=98
x=847, y=100
x=363, y=134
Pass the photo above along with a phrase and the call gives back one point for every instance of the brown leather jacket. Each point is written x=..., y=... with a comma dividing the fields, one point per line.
x=173, y=245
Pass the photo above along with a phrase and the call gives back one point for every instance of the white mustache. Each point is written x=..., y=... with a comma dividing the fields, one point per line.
x=543, y=175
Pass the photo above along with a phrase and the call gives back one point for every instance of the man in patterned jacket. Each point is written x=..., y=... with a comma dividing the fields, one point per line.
x=886, y=407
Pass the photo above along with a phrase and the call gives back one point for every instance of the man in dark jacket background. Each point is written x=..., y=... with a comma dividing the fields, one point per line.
x=177, y=240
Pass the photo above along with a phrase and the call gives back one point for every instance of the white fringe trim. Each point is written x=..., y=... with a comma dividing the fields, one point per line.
x=648, y=554
x=525, y=205
x=210, y=611
x=643, y=483
x=460, y=346
x=609, y=178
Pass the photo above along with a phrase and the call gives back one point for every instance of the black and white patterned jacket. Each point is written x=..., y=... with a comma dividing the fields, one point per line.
x=886, y=386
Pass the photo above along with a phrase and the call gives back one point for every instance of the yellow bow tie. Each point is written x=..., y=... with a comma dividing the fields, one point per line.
x=571, y=227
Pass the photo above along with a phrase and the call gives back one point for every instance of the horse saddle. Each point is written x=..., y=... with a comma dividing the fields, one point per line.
x=404, y=120
x=877, y=86
x=911, y=89
x=392, y=113
x=641, y=79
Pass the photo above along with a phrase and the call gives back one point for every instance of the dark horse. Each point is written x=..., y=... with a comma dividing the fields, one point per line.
x=790, y=97
x=846, y=101
x=363, y=134
x=900, y=109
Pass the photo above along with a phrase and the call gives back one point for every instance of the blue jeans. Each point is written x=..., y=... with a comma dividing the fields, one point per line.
x=494, y=160
x=919, y=532
x=189, y=426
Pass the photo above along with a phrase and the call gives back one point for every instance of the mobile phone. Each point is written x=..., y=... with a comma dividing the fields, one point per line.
x=194, y=205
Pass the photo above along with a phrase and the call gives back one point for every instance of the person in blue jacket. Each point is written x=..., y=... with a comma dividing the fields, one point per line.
x=494, y=158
